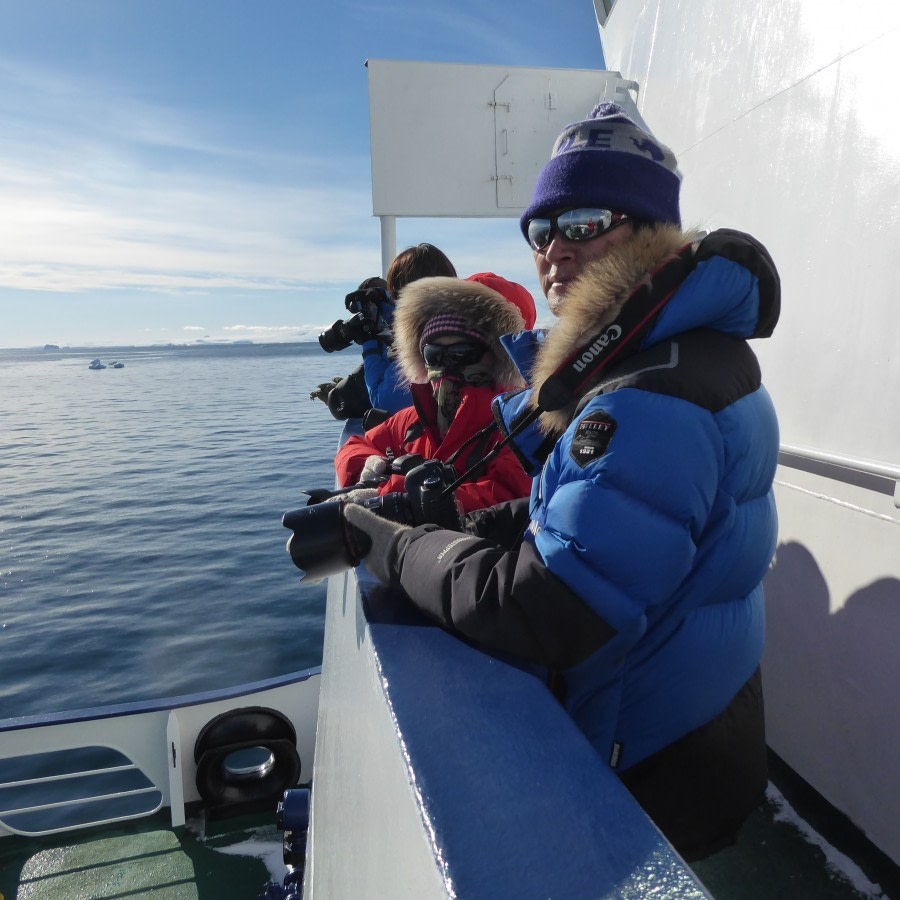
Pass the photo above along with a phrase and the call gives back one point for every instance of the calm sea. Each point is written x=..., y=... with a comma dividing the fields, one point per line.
x=141, y=547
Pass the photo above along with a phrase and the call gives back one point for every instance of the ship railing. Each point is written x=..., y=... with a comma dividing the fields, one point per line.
x=442, y=771
x=866, y=473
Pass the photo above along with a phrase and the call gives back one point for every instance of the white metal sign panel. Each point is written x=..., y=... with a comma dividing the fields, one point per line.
x=469, y=141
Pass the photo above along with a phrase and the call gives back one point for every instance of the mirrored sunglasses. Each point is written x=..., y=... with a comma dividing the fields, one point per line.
x=441, y=356
x=574, y=225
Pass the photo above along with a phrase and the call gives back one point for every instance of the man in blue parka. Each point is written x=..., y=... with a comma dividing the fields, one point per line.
x=636, y=586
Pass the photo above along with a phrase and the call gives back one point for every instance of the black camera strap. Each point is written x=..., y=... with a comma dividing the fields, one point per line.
x=481, y=437
x=489, y=457
x=601, y=350
x=615, y=339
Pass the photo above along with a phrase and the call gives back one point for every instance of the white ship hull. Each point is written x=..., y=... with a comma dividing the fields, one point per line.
x=785, y=118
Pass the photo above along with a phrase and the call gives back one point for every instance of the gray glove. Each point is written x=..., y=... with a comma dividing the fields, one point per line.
x=359, y=495
x=375, y=469
x=374, y=539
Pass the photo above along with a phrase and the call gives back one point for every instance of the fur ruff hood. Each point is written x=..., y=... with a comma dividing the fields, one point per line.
x=484, y=310
x=596, y=299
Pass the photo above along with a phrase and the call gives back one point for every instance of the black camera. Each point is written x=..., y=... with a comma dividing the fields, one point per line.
x=323, y=542
x=365, y=323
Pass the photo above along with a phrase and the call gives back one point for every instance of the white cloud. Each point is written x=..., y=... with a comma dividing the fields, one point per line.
x=119, y=203
x=89, y=203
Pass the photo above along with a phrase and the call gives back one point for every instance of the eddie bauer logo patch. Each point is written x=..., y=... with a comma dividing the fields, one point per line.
x=592, y=437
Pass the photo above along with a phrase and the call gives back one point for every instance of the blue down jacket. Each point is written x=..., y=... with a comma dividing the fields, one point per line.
x=384, y=379
x=387, y=387
x=652, y=521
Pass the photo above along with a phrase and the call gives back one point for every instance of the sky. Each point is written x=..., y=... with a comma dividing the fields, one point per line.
x=175, y=171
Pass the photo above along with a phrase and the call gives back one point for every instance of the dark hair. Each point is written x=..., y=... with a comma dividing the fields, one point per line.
x=413, y=263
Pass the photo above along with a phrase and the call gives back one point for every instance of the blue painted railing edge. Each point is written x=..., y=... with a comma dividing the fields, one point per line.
x=515, y=800
x=149, y=706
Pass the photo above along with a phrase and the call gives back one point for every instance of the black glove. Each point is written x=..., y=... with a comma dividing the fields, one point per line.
x=324, y=389
x=504, y=523
x=374, y=539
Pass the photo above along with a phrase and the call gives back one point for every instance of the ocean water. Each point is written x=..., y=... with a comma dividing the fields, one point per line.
x=141, y=548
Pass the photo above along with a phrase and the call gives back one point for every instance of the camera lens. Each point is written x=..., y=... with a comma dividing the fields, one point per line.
x=318, y=545
x=334, y=338
x=393, y=506
x=356, y=328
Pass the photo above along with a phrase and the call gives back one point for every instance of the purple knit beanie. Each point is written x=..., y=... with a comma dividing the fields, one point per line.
x=447, y=324
x=607, y=161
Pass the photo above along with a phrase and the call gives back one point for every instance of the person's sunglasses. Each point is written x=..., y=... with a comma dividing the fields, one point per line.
x=441, y=356
x=573, y=225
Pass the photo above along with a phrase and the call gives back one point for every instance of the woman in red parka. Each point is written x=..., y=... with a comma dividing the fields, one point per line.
x=446, y=332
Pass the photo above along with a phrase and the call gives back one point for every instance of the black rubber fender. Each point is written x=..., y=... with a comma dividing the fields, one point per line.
x=240, y=729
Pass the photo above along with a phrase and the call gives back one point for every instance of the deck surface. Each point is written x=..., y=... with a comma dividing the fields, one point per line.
x=143, y=859
x=773, y=860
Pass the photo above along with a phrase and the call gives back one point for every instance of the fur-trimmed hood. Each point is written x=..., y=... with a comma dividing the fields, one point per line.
x=483, y=309
x=732, y=287
x=596, y=299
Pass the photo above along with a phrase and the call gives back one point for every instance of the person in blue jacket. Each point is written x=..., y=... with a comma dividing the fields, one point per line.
x=376, y=388
x=387, y=388
x=633, y=580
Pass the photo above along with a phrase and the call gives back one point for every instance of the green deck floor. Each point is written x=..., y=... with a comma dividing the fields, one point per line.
x=142, y=859
x=220, y=861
